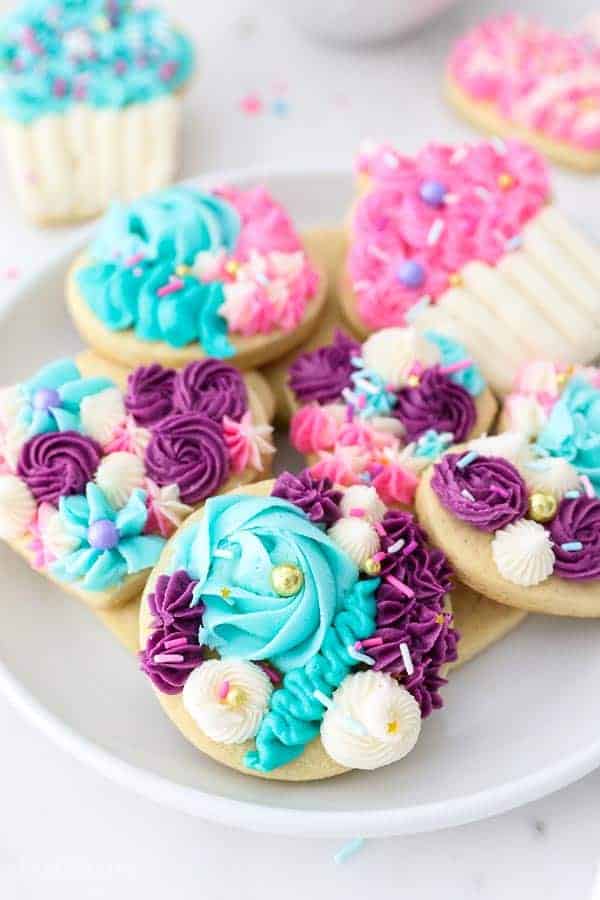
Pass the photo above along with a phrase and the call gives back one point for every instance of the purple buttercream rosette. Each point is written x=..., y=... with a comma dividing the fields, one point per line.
x=487, y=492
x=172, y=650
x=415, y=580
x=317, y=497
x=149, y=396
x=322, y=375
x=190, y=451
x=211, y=387
x=575, y=533
x=436, y=403
x=57, y=464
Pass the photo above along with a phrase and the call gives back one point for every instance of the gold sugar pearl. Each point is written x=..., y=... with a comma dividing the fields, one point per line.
x=235, y=697
x=542, y=507
x=182, y=271
x=287, y=579
x=371, y=567
x=505, y=181
x=455, y=279
x=231, y=267
x=413, y=381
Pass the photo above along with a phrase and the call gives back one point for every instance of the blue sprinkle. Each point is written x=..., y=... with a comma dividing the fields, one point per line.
x=360, y=657
x=572, y=495
x=357, y=362
x=348, y=850
x=572, y=546
x=514, y=243
x=280, y=107
x=465, y=460
x=366, y=477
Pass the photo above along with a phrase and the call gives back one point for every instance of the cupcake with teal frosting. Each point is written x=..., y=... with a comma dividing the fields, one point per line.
x=186, y=273
x=90, y=103
x=296, y=629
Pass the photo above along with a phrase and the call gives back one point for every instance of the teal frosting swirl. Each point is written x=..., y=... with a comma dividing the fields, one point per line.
x=137, y=252
x=452, y=352
x=573, y=429
x=106, y=53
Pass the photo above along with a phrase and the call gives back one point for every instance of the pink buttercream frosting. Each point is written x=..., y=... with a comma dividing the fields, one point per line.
x=247, y=443
x=313, y=428
x=534, y=76
x=489, y=191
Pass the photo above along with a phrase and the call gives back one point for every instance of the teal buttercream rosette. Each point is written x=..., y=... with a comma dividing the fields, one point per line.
x=470, y=378
x=135, y=281
x=308, y=636
x=109, y=544
x=573, y=429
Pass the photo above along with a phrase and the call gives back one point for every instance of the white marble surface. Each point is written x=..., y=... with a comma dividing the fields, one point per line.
x=65, y=832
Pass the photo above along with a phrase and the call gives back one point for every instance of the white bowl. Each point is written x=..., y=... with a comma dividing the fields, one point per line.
x=361, y=21
x=519, y=722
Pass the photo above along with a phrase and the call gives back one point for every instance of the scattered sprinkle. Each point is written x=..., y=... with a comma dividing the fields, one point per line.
x=280, y=107
x=357, y=511
x=514, y=243
x=176, y=642
x=326, y=701
x=223, y=554
x=251, y=104
x=11, y=273
x=379, y=556
x=498, y=144
x=467, y=495
x=400, y=586
x=587, y=486
x=379, y=529
x=396, y=546
x=435, y=232
x=348, y=850
x=360, y=657
x=223, y=690
x=457, y=367
x=572, y=546
x=572, y=495
x=467, y=459
x=167, y=658
x=407, y=658
x=273, y=674
x=369, y=642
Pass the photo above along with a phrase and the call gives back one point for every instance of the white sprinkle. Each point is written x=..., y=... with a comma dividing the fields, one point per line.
x=435, y=232
x=458, y=155
x=498, y=145
x=378, y=254
x=223, y=554
x=406, y=658
x=391, y=161
x=482, y=192
x=467, y=495
x=322, y=698
x=349, y=397
x=362, y=285
x=360, y=657
x=365, y=386
x=451, y=198
x=398, y=545
x=514, y=243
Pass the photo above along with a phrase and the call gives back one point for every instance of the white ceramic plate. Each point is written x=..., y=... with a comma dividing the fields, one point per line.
x=520, y=722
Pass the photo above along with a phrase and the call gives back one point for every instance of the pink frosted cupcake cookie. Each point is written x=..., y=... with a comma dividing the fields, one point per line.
x=464, y=240
x=184, y=274
x=513, y=75
x=94, y=480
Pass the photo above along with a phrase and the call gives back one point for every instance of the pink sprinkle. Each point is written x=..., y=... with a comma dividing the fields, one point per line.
x=120, y=66
x=357, y=511
x=403, y=588
x=12, y=272
x=59, y=88
x=272, y=673
x=587, y=485
x=379, y=529
x=378, y=557
x=174, y=285
x=168, y=658
x=409, y=548
x=362, y=401
x=223, y=690
x=251, y=105
x=370, y=642
x=457, y=367
x=176, y=642
x=134, y=260
x=167, y=70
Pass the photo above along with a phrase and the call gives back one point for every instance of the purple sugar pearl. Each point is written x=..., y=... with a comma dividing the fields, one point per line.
x=411, y=274
x=432, y=192
x=46, y=398
x=103, y=535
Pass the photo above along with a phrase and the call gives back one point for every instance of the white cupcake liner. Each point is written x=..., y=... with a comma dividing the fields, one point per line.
x=70, y=166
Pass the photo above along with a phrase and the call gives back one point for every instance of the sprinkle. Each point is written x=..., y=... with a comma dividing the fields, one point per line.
x=397, y=545
x=348, y=396
x=451, y=198
x=409, y=549
x=225, y=593
x=482, y=192
x=358, y=362
x=390, y=160
x=137, y=271
x=365, y=386
x=357, y=511
x=379, y=557
x=457, y=367
x=359, y=657
x=280, y=107
x=366, y=477
x=223, y=554
x=572, y=495
x=273, y=674
x=167, y=70
x=369, y=642
x=400, y=586
x=175, y=284
x=407, y=658
x=176, y=642
x=167, y=658
x=498, y=145
x=417, y=308
x=572, y=546
x=587, y=486
x=348, y=850
x=134, y=260
x=467, y=459
x=12, y=272
x=458, y=155
x=361, y=401
x=435, y=232
x=513, y=243
x=223, y=690
x=379, y=529
x=326, y=701
x=467, y=495
x=377, y=253
x=251, y=104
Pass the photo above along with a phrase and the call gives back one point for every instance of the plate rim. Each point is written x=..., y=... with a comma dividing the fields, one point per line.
x=245, y=814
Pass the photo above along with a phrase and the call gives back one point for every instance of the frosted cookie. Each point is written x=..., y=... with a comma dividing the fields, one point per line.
x=520, y=520
x=513, y=75
x=184, y=274
x=93, y=479
x=464, y=240
x=289, y=636
x=90, y=104
x=380, y=412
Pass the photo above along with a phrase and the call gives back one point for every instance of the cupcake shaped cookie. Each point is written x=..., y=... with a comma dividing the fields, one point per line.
x=464, y=240
x=184, y=274
x=90, y=104
x=94, y=480
x=513, y=75
x=289, y=638
x=519, y=513
x=378, y=413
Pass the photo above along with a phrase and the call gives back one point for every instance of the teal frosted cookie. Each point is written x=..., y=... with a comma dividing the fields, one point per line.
x=91, y=103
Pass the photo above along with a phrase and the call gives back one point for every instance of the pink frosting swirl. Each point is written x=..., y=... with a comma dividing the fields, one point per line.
x=313, y=428
x=488, y=196
x=265, y=224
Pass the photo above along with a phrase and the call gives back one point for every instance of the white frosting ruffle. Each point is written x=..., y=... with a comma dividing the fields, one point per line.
x=118, y=475
x=391, y=351
x=17, y=507
x=365, y=497
x=356, y=537
x=550, y=475
x=523, y=553
x=102, y=413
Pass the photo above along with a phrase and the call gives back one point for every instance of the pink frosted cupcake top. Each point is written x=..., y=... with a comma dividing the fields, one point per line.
x=427, y=216
x=534, y=76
